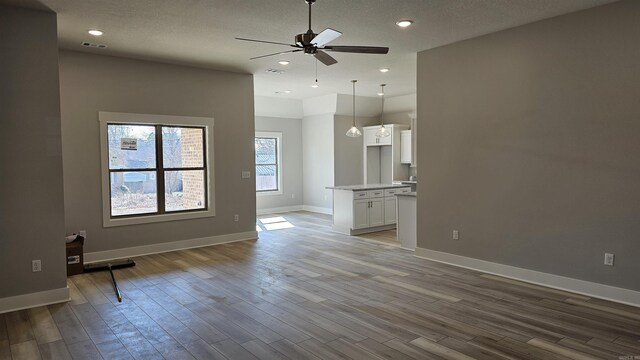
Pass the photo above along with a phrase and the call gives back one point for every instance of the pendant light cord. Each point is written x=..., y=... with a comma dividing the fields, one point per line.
x=354, y=101
x=382, y=114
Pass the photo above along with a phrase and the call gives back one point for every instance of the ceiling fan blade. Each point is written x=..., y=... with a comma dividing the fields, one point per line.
x=358, y=49
x=326, y=36
x=266, y=42
x=325, y=58
x=278, y=53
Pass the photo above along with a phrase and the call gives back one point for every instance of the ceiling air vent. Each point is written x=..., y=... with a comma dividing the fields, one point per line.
x=274, y=71
x=99, y=46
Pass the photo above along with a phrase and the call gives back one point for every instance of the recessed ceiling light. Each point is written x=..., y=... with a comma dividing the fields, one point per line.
x=283, y=92
x=95, y=32
x=283, y=62
x=404, y=23
x=315, y=86
x=384, y=70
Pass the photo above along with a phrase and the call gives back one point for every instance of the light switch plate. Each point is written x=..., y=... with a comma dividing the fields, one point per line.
x=246, y=174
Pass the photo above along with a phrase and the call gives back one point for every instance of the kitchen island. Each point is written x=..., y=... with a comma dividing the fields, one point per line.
x=360, y=209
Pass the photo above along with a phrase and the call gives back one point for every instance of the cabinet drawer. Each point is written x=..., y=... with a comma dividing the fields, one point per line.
x=360, y=195
x=391, y=192
x=376, y=193
x=404, y=190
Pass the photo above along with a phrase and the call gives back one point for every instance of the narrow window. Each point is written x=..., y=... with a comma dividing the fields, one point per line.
x=268, y=162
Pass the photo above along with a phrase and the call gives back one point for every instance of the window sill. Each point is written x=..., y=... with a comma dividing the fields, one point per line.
x=149, y=219
x=269, y=193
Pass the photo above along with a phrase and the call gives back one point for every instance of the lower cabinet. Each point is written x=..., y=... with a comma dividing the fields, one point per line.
x=390, y=210
x=355, y=212
x=368, y=213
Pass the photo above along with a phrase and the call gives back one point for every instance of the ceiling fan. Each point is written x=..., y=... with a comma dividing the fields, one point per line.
x=316, y=44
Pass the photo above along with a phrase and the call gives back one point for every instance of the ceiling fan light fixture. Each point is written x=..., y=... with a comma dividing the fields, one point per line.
x=315, y=86
x=404, y=23
x=384, y=70
x=95, y=32
x=354, y=131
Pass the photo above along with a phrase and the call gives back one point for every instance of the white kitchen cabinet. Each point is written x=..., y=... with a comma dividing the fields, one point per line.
x=406, y=150
x=376, y=212
x=370, y=138
x=360, y=214
x=358, y=211
x=390, y=210
x=368, y=213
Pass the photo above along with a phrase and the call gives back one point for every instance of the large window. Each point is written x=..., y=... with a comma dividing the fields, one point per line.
x=157, y=168
x=268, y=167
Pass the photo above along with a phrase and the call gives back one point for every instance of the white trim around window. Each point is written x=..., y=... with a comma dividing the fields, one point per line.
x=278, y=136
x=106, y=118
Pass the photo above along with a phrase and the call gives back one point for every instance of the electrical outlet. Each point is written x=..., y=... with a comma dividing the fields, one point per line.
x=236, y=217
x=608, y=259
x=83, y=233
x=246, y=174
x=36, y=265
x=455, y=235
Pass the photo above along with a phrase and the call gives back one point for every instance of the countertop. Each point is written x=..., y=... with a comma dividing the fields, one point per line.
x=411, y=194
x=366, y=187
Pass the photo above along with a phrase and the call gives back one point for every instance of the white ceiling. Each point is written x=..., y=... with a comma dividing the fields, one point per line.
x=201, y=33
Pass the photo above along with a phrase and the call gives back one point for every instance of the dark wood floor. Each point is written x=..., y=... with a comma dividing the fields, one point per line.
x=303, y=292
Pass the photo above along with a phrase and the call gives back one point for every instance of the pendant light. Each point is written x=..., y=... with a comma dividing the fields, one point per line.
x=383, y=131
x=354, y=132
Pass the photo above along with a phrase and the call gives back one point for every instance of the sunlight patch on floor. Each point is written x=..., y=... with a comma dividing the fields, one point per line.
x=274, y=223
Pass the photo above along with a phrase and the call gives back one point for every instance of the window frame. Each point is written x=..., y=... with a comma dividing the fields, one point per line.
x=271, y=135
x=205, y=123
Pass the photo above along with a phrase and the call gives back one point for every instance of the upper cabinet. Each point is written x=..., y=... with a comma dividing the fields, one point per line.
x=406, y=150
x=370, y=138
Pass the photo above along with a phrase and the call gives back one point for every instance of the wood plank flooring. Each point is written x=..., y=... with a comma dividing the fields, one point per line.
x=303, y=292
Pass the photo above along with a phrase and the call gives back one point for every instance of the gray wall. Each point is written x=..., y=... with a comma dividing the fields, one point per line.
x=348, y=165
x=92, y=83
x=292, y=193
x=318, y=160
x=31, y=193
x=529, y=142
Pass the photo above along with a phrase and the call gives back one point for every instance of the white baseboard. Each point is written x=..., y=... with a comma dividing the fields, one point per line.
x=281, y=209
x=606, y=292
x=317, y=209
x=167, y=246
x=32, y=300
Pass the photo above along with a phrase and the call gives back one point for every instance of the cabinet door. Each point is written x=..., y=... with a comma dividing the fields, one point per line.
x=386, y=140
x=370, y=138
x=360, y=214
x=405, y=147
x=376, y=212
x=390, y=210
